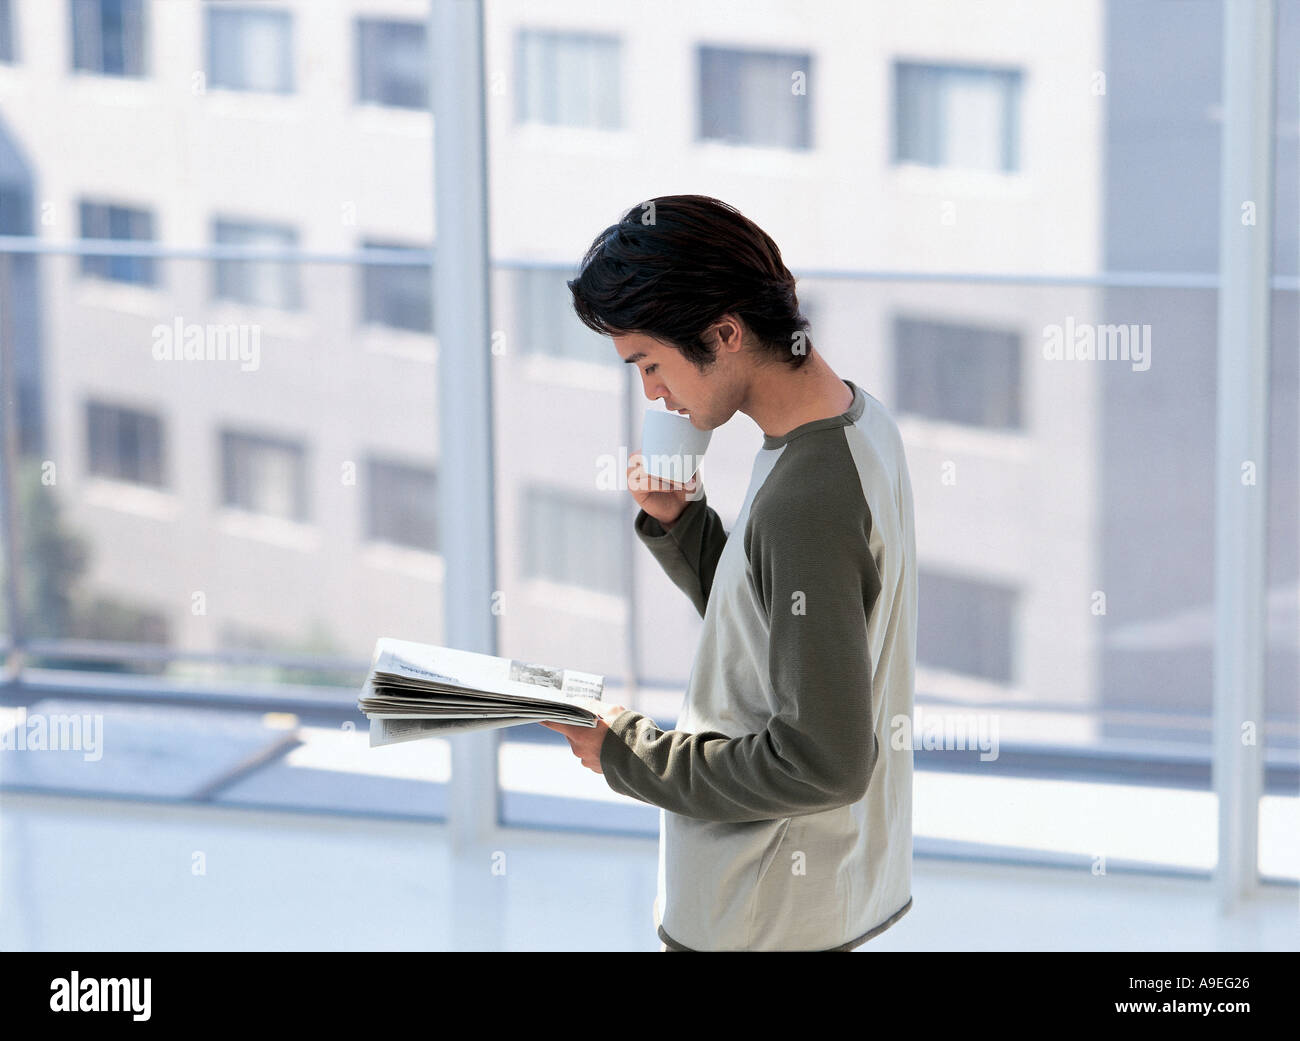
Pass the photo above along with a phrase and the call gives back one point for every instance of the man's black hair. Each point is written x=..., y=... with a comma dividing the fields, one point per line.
x=677, y=263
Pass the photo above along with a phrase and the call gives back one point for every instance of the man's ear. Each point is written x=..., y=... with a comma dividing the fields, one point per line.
x=728, y=333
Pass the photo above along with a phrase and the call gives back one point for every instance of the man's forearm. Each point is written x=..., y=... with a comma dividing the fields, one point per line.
x=688, y=549
x=777, y=773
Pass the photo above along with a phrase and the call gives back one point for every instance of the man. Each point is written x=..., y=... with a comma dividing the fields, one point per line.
x=786, y=808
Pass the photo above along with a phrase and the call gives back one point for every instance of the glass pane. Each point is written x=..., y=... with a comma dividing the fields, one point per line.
x=250, y=50
x=1060, y=502
x=392, y=63
x=749, y=97
x=192, y=494
x=1279, y=811
x=222, y=508
x=976, y=110
x=270, y=283
x=567, y=79
x=203, y=441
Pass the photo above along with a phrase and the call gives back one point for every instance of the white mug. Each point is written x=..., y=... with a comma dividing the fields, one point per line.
x=671, y=447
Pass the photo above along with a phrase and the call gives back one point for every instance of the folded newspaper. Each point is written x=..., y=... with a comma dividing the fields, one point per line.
x=417, y=690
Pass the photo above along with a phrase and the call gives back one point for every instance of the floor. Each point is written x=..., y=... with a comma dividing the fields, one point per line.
x=95, y=874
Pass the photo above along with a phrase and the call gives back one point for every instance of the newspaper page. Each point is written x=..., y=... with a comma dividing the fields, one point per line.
x=417, y=690
x=439, y=667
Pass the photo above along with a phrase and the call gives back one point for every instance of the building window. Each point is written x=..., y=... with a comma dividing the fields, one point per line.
x=966, y=626
x=568, y=79
x=958, y=373
x=392, y=63
x=8, y=38
x=15, y=210
x=957, y=116
x=250, y=49
x=755, y=97
x=397, y=295
x=546, y=325
x=124, y=444
x=402, y=504
x=124, y=224
x=108, y=37
x=573, y=539
x=265, y=283
x=264, y=475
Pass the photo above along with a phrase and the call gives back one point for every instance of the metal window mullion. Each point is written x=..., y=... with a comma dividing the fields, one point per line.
x=1245, y=254
x=461, y=296
x=10, y=479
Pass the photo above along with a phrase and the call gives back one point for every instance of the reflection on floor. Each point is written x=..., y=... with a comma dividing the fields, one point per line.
x=94, y=874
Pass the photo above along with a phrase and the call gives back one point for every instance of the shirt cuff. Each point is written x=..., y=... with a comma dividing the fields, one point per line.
x=615, y=752
x=649, y=528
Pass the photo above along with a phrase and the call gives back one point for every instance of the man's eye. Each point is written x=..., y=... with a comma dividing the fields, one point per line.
x=651, y=368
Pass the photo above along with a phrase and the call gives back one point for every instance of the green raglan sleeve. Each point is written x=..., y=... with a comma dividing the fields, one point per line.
x=814, y=574
x=689, y=550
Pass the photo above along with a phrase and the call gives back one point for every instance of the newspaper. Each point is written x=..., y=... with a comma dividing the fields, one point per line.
x=417, y=690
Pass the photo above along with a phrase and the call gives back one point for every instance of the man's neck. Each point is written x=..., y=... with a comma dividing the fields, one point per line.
x=781, y=399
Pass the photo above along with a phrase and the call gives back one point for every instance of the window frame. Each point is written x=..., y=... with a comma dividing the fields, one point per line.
x=1011, y=80
x=231, y=436
x=805, y=60
x=524, y=102
x=117, y=411
x=81, y=48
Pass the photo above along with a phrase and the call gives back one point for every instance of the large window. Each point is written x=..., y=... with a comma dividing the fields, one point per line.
x=568, y=79
x=250, y=49
x=866, y=146
x=108, y=37
x=125, y=444
x=951, y=115
x=266, y=475
x=102, y=220
x=392, y=63
x=266, y=283
x=401, y=504
x=755, y=97
x=958, y=373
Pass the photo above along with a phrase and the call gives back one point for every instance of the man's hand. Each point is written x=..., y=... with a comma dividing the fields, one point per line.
x=662, y=499
x=586, y=742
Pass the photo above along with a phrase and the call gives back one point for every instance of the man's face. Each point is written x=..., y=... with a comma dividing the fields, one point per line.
x=666, y=375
